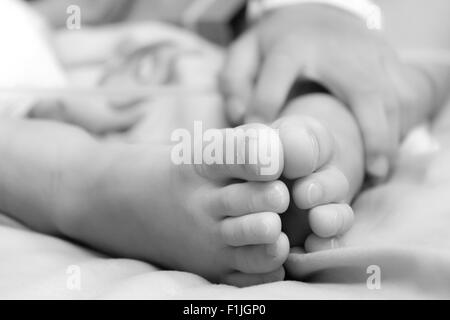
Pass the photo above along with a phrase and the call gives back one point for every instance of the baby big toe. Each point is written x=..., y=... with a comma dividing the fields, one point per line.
x=324, y=186
x=251, y=229
x=240, y=279
x=331, y=220
x=261, y=258
x=252, y=152
x=307, y=145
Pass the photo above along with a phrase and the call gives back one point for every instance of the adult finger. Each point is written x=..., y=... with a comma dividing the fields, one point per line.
x=238, y=75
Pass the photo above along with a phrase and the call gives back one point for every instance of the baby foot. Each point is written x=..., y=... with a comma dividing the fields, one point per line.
x=243, y=241
x=323, y=176
x=220, y=221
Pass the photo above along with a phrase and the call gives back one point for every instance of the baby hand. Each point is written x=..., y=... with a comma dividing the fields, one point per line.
x=336, y=49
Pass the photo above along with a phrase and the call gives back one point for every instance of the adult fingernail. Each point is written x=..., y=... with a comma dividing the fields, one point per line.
x=378, y=167
x=236, y=109
x=314, y=194
x=254, y=119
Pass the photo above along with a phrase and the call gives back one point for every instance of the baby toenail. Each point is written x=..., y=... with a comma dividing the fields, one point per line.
x=338, y=222
x=275, y=198
x=314, y=193
x=267, y=226
x=315, y=151
x=272, y=250
x=334, y=243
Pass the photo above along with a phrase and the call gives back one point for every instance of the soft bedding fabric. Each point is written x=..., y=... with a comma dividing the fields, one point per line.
x=402, y=227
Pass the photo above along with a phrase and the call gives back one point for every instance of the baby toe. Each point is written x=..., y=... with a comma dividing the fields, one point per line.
x=314, y=243
x=240, y=279
x=261, y=258
x=307, y=145
x=249, y=197
x=252, y=152
x=331, y=220
x=324, y=186
x=251, y=229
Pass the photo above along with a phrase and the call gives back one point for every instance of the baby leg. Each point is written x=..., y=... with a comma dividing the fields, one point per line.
x=220, y=221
